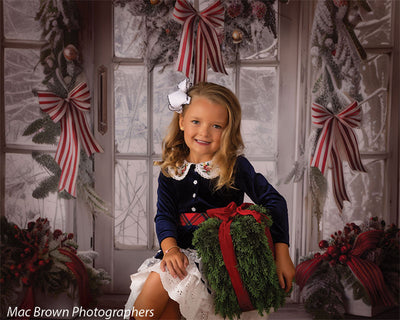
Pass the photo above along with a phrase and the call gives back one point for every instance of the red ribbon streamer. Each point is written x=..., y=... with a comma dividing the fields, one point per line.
x=74, y=131
x=367, y=272
x=207, y=43
x=337, y=142
x=79, y=270
x=226, y=214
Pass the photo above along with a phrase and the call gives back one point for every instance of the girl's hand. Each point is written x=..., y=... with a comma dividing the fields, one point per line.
x=284, y=266
x=176, y=262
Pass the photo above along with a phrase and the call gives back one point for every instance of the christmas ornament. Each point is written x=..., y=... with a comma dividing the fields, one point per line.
x=235, y=9
x=70, y=52
x=337, y=142
x=154, y=2
x=237, y=36
x=207, y=44
x=74, y=131
x=259, y=9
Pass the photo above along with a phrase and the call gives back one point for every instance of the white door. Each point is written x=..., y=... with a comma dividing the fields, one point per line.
x=137, y=116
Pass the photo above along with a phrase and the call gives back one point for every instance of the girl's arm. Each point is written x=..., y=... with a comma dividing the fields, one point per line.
x=173, y=259
x=284, y=266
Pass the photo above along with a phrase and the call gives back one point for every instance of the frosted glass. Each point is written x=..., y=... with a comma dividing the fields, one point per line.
x=22, y=176
x=22, y=73
x=258, y=97
x=131, y=185
x=129, y=32
x=373, y=130
x=19, y=19
x=131, y=109
x=375, y=29
x=165, y=82
x=366, y=192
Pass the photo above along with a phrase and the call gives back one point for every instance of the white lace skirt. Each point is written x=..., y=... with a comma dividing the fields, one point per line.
x=191, y=293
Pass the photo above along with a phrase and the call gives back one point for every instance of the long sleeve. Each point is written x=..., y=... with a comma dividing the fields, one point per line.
x=167, y=211
x=261, y=192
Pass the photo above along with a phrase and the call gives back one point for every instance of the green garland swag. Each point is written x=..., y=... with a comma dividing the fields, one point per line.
x=255, y=264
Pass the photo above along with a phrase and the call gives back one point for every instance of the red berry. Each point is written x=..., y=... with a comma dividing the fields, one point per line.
x=323, y=244
x=317, y=255
x=343, y=258
x=331, y=250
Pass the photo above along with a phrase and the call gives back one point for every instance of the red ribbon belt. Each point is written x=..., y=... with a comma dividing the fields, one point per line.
x=207, y=43
x=227, y=214
x=193, y=218
x=367, y=272
x=74, y=131
x=337, y=142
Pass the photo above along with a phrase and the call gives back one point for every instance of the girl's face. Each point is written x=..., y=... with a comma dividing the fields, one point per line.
x=203, y=123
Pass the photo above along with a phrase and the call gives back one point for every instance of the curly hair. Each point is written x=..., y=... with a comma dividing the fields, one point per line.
x=175, y=150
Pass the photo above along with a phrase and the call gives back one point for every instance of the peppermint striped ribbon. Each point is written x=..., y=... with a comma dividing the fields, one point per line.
x=207, y=44
x=74, y=131
x=337, y=142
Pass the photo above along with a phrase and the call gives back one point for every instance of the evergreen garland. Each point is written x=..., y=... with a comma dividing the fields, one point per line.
x=255, y=264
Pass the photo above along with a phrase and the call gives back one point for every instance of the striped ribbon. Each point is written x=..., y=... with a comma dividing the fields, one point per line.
x=74, y=131
x=337, y=142
x=207, y=44
x=367, y=272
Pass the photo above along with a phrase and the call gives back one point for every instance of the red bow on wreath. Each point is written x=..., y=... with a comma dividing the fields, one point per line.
x=226, y=214
x=207, y=43
x=367, y=272
x=74, y=131
x=337, y=142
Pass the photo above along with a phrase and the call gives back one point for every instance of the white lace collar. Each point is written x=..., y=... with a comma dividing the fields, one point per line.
x=204, y=169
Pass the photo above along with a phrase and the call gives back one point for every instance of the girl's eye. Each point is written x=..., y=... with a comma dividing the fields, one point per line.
x=217, y=126
x=195, y=121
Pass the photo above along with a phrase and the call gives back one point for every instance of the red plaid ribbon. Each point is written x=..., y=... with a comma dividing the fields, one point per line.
x=337, y=142
x=193, y=219
x=74, y=131
x=207, y=43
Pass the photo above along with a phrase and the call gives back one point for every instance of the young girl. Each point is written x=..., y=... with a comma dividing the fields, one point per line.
x=201, y=168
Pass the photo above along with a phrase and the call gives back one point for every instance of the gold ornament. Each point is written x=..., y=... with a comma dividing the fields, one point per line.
x=237, y=36
x=154, y=2
x=70, y=52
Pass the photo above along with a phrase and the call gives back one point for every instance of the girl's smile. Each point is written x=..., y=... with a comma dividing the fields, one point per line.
x=203, y=123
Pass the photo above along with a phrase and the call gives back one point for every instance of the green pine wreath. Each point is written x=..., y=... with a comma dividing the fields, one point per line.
x=255, y=264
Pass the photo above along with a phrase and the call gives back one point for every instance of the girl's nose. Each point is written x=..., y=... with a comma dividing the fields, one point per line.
x=204, y=130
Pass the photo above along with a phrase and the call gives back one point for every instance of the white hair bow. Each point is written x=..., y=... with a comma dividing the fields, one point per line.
x=179, y=97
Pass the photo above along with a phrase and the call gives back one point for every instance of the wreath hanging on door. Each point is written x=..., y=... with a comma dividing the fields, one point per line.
x=63, y=104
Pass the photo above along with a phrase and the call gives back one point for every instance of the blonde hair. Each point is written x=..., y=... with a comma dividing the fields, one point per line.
x=175, y=150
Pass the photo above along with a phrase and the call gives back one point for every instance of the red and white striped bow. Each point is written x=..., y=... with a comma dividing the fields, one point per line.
x=337, y=142
x=74, y=131
x=207, y=44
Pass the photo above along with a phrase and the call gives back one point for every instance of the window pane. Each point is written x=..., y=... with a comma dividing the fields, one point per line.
x=131, y=184
x=165, y=82
x=373, y=130
x=129, y=33
x=366, y=193
x=22, y=73
x=258, y=98
x=131, y=109
x=375, y=29
x=226, y=80
x=156, y=173
x=23, y=175
x=19, y=19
